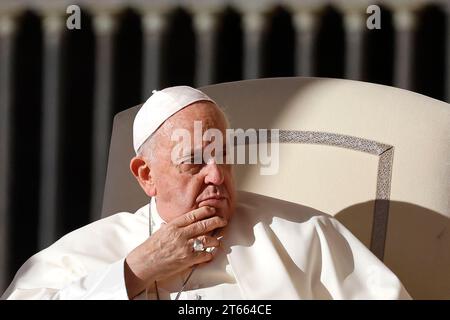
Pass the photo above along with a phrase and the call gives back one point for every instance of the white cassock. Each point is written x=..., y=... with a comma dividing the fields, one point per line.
x=272, y=249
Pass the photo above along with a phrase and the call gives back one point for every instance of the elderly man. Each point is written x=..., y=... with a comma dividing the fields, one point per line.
x=206, y=241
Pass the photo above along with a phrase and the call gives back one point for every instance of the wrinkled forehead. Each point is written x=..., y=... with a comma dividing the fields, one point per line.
x=201, y=115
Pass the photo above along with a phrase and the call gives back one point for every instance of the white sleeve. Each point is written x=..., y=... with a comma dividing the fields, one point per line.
x=350, y=270
x=107, y=283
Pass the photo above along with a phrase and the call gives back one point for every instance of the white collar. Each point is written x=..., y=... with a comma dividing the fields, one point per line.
x=155, y=217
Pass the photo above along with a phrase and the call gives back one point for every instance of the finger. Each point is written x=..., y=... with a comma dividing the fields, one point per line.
x=202, y=257
x=204, y=226
x=193, y=216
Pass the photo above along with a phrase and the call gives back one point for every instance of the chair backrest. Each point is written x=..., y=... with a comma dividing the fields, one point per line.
x=375, y=157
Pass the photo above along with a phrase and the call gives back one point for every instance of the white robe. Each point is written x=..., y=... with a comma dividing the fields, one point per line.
x=276, y=250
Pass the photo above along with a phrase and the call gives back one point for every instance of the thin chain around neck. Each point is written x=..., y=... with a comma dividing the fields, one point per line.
x=150, y=231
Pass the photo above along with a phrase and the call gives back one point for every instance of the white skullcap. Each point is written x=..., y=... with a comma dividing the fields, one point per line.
x=159, y=107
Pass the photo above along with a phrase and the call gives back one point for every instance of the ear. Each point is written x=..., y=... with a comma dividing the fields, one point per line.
x=142, y=172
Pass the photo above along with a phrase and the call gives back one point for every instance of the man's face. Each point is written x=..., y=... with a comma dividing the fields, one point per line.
x=182, y=185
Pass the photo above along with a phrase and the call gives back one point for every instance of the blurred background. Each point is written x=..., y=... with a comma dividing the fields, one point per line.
x=66, y=67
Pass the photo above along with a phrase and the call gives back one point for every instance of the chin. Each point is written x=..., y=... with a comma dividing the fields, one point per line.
x=226, y=213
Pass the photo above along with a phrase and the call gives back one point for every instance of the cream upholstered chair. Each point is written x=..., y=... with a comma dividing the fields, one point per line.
x=375, y=157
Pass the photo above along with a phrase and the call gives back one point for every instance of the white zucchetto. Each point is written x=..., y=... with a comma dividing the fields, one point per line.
x=159, y=107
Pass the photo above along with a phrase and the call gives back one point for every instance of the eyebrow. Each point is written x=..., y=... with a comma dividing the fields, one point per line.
x=192, y=152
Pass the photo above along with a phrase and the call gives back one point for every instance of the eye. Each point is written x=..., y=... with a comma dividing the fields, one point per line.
x=190, y=168
x=192, y=160
x=187, y=161
x=191, y=165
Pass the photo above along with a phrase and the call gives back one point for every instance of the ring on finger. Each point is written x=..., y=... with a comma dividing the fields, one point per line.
x=198, y=245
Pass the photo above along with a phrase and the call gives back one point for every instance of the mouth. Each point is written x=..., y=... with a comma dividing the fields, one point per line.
x=214, y=201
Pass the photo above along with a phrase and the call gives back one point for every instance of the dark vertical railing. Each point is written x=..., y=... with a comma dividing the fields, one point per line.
x=53, y=25
x=7, y=29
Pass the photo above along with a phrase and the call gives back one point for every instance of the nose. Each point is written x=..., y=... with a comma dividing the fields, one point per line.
x=214, y=174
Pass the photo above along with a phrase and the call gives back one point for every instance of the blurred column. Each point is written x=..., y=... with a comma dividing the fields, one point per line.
x=404, y=24
x=7, y=32
x=53, y=24
x=404, y=21
x=354, y=12
x=354, y=23
x=253, y=25
x=154, y=24
x=205, y=31
x=104, y=23
x=305, y=24
x=253, y=16
x=205, y=20
x=306, y=19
